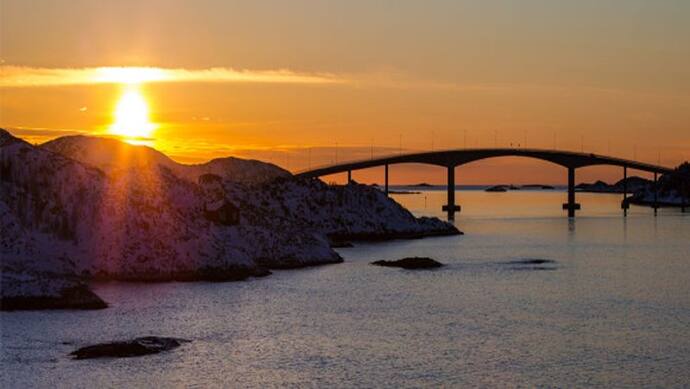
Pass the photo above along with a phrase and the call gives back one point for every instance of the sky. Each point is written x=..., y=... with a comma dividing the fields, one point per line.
x=306, y=83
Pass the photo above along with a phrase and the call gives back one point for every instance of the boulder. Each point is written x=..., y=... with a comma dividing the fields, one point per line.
x=410, y=263
x=532, y=264
x=26, y=292
x=130, y=348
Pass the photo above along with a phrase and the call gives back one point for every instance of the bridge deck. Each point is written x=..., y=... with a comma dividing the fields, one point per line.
x=452, y=158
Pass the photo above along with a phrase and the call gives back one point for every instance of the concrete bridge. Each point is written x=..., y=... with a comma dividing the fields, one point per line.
x=450, y=159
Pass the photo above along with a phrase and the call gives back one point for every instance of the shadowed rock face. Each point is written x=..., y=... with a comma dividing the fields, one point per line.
x=132, y=348
x=410, y=263
x=75, y=297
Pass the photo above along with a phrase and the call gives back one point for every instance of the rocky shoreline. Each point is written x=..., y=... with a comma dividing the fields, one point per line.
x=74, y=210
x=78, y=297
x=671, y=190
x=661, y=202
x=227, y=274
x=338, y=240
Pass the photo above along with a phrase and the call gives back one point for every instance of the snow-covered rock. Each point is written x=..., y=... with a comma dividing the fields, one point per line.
x=98, y=208
x=108, y=154
x=111, y=155
x=271, y=196
x=246, y=171
x=350, y=212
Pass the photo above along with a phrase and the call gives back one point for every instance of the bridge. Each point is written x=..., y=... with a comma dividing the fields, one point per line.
x=450, y=159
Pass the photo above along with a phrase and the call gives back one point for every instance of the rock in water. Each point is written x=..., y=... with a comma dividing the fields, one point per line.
x=410, y=263
x=72, y=298
x=533, y=261
x=532, y=264
x=30, y=291
x=132, y=348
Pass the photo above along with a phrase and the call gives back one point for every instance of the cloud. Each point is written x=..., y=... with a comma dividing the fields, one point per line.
x=22, y=76
x=45, y=132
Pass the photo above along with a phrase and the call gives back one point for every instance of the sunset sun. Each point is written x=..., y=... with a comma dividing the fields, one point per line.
x=132, y=116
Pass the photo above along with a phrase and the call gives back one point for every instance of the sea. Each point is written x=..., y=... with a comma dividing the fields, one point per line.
x=527, y=297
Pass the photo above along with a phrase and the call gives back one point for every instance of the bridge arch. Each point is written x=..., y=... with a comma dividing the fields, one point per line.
x=450, y=159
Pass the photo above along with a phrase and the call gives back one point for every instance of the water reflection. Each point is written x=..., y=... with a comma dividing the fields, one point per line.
x=625, y=228
x=613, y=311
x=517, y=204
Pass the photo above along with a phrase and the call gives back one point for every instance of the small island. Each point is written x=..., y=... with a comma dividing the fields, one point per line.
x=496, y=188
x=130, y=348
x=410, y=263
x=538, y=186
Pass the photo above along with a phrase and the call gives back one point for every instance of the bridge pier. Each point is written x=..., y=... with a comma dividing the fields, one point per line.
x=386, y=179
x=450, y=206
x=349, y=177
x=571, y=205
x=656, y=193
x=625, y=204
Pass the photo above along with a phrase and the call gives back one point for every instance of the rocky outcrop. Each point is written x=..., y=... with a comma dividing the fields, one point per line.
x=21, y=291
x=496, y=188
x=538, y=186
x=95, y=208
x=630, y=184
x=671, y=190
x=344, y=213
x=599, y=186
x=217, y=207
x=410, y=263
x=131, y=348
x=111, y=156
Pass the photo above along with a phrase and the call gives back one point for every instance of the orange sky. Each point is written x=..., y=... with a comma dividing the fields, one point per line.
x=273, y=80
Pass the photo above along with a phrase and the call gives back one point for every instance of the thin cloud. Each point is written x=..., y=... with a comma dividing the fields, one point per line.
x=45, y=132
x=21, y=76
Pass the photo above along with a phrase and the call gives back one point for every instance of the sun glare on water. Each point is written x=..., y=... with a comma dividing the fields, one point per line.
x=132, y=116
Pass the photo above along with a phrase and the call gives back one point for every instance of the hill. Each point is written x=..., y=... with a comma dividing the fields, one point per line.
x=81, y=208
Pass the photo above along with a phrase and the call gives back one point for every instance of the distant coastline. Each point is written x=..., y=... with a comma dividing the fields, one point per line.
x=478, y=187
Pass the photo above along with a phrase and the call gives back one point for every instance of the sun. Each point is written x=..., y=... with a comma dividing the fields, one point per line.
x=132, y=116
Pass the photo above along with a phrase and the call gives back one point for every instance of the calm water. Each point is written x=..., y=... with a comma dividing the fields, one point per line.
x=614, y=310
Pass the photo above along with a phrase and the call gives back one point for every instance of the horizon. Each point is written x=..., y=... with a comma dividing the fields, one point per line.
x=371, y=177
